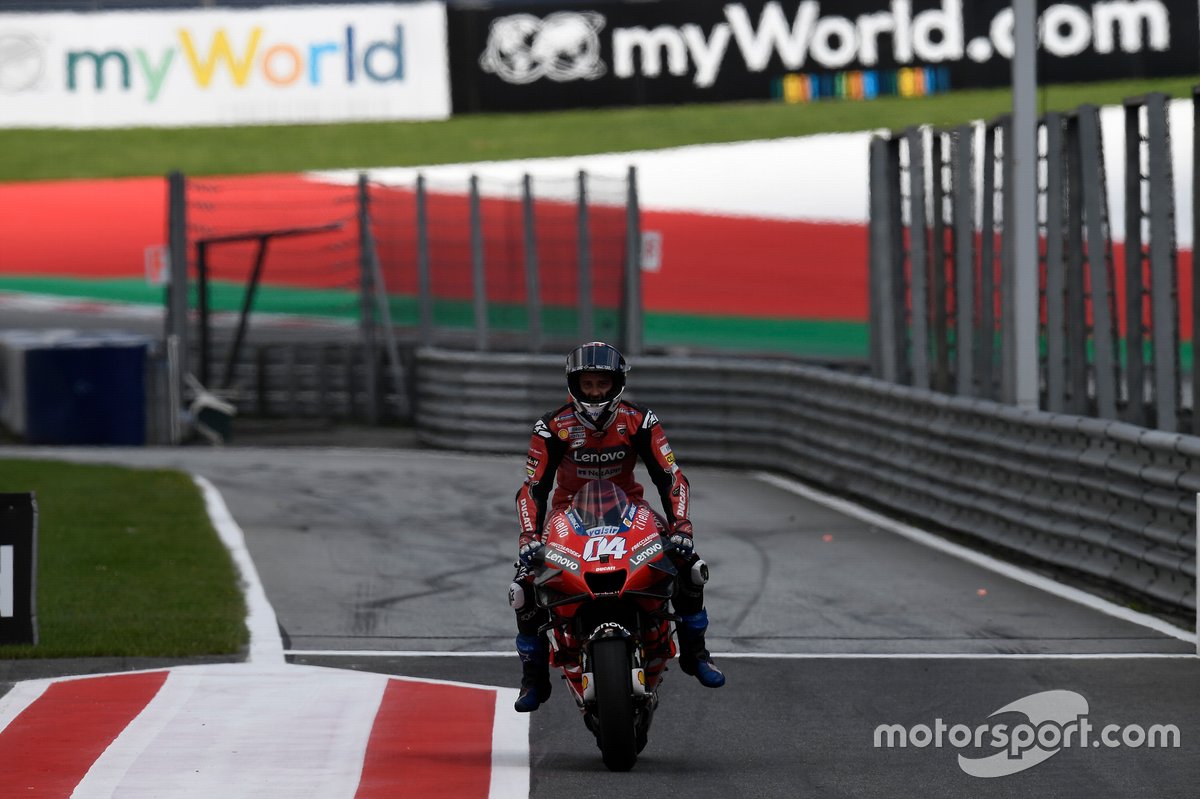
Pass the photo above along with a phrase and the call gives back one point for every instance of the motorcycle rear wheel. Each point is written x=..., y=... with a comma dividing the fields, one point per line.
x=614, y=703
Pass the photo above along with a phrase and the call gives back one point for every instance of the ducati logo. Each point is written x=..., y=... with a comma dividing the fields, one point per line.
x=564, y=46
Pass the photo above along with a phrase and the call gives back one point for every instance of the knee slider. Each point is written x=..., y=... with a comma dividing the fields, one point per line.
x=516, y=595
x=699, y=573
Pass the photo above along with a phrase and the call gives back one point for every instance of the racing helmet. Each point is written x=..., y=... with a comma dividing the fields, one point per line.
x=596, y=356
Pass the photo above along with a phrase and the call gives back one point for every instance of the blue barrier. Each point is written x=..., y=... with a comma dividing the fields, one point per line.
x=72, y=387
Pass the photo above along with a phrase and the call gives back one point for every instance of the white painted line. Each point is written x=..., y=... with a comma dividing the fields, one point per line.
x=383, y=653
x=952, y=656
x=397, y=653
x=266, y=644
x=1008, y=570
x=510, y=749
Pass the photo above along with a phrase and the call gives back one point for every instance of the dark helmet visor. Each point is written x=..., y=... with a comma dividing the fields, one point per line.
x=595, y=358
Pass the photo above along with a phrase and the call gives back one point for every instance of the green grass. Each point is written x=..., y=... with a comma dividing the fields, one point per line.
x=129, y=565
x=48, y=154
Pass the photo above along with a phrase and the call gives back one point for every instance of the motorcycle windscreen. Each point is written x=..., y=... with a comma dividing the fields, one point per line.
x=599, y=508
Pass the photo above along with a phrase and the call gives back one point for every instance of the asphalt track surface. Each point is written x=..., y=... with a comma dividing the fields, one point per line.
x=396, y=561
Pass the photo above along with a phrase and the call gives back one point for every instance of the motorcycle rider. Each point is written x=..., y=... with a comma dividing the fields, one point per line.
x=597, y=435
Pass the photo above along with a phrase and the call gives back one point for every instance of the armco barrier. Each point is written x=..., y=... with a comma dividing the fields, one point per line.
x=1103, y=498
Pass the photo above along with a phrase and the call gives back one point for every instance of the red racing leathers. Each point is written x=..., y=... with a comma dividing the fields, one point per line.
x=563, y=451
x=565, y=454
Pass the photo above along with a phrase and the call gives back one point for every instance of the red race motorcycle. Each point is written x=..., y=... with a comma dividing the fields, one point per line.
x=607, y=582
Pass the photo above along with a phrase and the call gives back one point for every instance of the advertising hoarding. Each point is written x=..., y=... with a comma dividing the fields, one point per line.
x=691, y=51
x=224, y=66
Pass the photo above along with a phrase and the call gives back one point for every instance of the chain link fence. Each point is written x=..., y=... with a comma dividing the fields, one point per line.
x=303, y=297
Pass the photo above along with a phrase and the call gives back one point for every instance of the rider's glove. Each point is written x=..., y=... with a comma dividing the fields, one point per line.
x=681, y=539
x=531, y=552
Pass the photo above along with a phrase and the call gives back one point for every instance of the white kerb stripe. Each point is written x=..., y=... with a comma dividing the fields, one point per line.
x=108, y=771
x=266, y=644
x=22, y=695
x=510, y=749
x=240, y=731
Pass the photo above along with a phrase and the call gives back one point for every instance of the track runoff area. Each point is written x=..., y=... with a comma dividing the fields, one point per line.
x=269, y=727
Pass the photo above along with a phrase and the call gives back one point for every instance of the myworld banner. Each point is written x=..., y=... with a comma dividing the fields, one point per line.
x=224, y=66
x=679, y=51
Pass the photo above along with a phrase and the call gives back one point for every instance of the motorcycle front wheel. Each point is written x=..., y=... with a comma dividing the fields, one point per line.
x=614, y=703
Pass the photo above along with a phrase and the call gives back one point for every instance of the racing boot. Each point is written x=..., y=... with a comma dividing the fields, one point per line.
x=694, y=659
x=535, y=672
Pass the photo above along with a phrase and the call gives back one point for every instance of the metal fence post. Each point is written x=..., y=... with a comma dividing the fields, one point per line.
x=1077, y=303
x=533, y=293
x=424, y=272
x=1099, y=261
x=1164, y=281
x=1055, y=266
x=367, y=304
x=942, y=281
x=987, y=267
x=898, y=287
x=177, y=297
x=918, y=240
x=202, y=312
x=1020, y=146
x=390, y=347
x=1196, y=281
x=478, y=274
x=882, y=253
x=587, y=325
x=632, y=306
x=1135, y=261
x=1008, y=272
x=962, y=174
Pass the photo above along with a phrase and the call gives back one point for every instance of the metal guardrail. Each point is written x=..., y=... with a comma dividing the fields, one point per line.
x=1099, y=497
